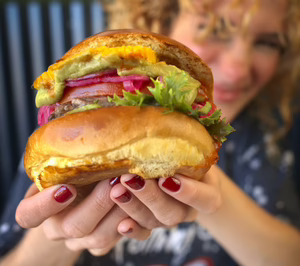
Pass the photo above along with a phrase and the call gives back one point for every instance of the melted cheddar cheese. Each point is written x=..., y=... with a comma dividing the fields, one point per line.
x=124, y=52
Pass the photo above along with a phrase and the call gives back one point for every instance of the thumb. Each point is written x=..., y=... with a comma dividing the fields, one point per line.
x=36, y=208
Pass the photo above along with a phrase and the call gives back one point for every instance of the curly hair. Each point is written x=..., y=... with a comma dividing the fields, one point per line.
x=158, y=15
x=283, y=89
x=154, y=15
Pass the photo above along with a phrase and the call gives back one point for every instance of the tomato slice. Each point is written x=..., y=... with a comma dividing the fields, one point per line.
x=96, y=90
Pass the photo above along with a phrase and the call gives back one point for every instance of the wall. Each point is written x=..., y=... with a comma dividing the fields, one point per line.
x=33, y=35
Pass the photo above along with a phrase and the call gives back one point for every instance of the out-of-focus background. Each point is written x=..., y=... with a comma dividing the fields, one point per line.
x=33, y=35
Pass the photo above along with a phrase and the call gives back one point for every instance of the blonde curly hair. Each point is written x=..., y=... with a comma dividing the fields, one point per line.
x=154, y=15
x=158, y=16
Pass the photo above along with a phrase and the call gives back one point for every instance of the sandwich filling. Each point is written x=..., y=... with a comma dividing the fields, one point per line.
x=124, y=76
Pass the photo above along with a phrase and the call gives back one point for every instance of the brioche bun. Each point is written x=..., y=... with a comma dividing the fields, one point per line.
x=85, y=147
x=89, y=146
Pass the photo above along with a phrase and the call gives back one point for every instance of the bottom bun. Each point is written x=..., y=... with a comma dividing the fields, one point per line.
x=86, y=147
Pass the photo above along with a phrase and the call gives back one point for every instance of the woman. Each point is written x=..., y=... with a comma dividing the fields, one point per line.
x=246, y=44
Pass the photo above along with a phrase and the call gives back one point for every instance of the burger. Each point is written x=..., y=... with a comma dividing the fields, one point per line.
x=124, y=101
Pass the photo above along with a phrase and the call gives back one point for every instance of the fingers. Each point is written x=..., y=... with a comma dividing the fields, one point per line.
x=169, y=201
x=166, y=209
x=131, y=229
x=37, y=207
x=204, y=197
x=213, y=176
x=99, y=251
x=104, y=237
x=31, y=191
x=128, y=228
x=133, y=207
x=83, y=218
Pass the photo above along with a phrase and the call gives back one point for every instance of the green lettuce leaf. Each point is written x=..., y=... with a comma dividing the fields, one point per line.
x=173, y=76
x=212, y=119
x=87, y=107
x=169, y=94
x=220, y=130
x=130, y=99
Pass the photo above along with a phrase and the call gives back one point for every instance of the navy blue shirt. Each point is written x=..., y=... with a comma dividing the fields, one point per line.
x=264, y=172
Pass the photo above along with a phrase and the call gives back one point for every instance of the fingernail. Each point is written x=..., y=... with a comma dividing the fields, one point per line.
x=172, y=184
x=124, y=197
x=62, y=194
x=114, y=181
x=136, y=182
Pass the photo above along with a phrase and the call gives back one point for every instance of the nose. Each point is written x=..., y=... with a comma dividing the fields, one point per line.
x=236, y=63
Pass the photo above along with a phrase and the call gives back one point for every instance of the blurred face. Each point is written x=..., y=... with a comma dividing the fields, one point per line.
x=242, y=62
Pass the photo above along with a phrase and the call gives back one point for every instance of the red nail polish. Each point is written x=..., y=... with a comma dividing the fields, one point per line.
x=172, y=184
x=136, y=182
x=62, y=194
x=114, y=181
x=124, y=197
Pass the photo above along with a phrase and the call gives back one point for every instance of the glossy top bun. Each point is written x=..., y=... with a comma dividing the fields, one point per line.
x=84, y=147
x=166, y=49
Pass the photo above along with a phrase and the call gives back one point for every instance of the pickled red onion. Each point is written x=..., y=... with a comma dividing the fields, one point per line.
x=129, y=86
x=44, y=114
x=109, y=72
x=130, y=83
x=133, y=85
x=200, y=105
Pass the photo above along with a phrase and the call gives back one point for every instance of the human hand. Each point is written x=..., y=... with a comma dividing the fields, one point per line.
x=167, y=202
x=93, y=223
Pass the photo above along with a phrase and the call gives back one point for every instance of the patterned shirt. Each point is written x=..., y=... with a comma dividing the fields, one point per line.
x=265, y=174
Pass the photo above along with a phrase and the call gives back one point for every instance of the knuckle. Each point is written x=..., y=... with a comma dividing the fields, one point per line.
x=151, y=224
x=169, y=223
x=50, y=230
x=72, y=245
x=210, y=203
x=100, y=203
x=21, y=220
x=192, y=196
x=172, y=218
x=215, y=203
x=50, y=234
x=72, y=230
x=40, y=210
x=99, y=252
x=151, y=199
x=99, y=242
